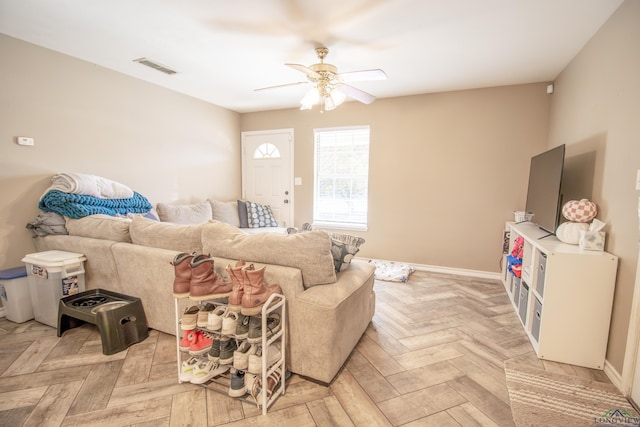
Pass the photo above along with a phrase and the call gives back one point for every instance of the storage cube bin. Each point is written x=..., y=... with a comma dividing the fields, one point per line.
x=14, y=291
x=524, y=301
x=53, y=275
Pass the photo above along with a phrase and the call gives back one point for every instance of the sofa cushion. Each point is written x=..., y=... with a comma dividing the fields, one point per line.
x=226, y=212
x=197, y=213
x=100, y=227
x=309, y=252
x=177, y=237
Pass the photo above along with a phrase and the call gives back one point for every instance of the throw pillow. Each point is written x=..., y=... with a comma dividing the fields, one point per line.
x=259, y=215
x=309, y=252
x=343, y=249
x=242, y=214
x=343, y=246
x=197, y=213
x=226, y=212
x=100, y=227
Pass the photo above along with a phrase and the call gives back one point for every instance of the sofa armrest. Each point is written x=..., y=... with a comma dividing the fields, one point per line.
x=146, y=273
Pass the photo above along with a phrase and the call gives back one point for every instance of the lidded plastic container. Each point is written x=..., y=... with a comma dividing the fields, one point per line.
x=14, y=291
x=53, y=275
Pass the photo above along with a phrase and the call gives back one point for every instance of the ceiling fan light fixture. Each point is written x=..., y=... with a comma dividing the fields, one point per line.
x=334, y=99
x=310, y=99
x=337, y=96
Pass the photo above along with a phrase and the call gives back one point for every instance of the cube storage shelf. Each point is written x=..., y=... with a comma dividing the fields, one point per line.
x=564, y=297
x=221, y=383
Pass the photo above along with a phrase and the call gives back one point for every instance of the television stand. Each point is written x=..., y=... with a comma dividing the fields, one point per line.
x=564, y=297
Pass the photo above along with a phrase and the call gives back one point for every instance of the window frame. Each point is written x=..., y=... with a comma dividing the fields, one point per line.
x=349, y=223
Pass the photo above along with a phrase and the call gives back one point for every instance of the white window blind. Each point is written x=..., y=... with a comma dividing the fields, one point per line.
x=341, y=184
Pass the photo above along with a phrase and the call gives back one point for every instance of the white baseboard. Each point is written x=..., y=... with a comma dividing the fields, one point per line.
x=447, y=270
x=615, y=377
x=457, y=271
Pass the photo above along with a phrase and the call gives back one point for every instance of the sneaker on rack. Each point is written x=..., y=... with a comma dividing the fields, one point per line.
x=255, y=327
x=188, y=319
x=242, y=326
x=229, y=323
x=214, y=321
x=214, y=352
x=255, y=360
x=188, y=366
x=227, y=347
x=203, y=314
x=201, y=343
x=237, y=387
x=207, y=370
x=187, y=338
x=241, y=355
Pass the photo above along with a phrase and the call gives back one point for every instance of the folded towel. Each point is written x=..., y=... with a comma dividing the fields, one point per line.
x=48, y=223
x=90, y=185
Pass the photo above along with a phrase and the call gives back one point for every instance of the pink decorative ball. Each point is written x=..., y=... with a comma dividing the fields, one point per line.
x=579, y=210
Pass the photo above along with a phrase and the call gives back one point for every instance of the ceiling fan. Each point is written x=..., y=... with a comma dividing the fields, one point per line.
x=330, y=87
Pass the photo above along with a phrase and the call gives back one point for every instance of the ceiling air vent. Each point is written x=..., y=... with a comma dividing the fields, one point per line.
x=154, y=65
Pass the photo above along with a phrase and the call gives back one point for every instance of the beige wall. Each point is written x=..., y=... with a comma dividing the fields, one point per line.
x=84, y=118
x=446, y=170
x=595, y=110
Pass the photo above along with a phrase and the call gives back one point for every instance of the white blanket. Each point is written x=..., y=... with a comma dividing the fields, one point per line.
x=90, y=185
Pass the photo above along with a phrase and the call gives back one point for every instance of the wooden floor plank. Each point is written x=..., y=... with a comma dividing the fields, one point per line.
x=419, y=404
x=329, y=412
x=356, y=403
x=54, y=405
x=97, y=388
x=369, y=378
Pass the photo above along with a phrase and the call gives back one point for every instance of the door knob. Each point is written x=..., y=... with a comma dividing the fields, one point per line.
x=286, y=200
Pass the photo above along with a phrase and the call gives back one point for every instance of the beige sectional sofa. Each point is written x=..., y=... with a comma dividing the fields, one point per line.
x=327, y=313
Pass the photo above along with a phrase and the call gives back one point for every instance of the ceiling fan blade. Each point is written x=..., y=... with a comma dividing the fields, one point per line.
x=306, y=70
x=363, y=75
x=357, y=94
x=279, y=86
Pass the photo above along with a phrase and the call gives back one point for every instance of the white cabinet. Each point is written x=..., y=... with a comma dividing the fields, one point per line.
x=563, y=298
x=221, y=384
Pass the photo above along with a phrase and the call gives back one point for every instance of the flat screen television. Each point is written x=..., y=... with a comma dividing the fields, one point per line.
x=544, y=193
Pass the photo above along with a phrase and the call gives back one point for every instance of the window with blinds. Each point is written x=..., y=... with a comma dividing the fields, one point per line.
x=341, y=180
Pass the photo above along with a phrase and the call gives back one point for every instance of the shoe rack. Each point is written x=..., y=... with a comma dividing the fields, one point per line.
x=222, y=383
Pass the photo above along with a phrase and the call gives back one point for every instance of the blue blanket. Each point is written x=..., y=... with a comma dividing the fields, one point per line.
x=80, y=205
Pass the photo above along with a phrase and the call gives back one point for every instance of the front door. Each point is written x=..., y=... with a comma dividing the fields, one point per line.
x=267, y=171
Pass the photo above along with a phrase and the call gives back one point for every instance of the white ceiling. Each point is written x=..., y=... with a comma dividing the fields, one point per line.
x=224, y=49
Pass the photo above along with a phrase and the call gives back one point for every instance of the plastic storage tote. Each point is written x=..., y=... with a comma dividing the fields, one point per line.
x=53, y=275
x=14, y=291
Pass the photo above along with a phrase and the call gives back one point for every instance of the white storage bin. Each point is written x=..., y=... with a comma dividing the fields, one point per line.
x=53, y=275
x=16, y=298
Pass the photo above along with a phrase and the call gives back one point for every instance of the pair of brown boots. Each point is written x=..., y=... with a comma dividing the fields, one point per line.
x=249, y=292
x=196, y=278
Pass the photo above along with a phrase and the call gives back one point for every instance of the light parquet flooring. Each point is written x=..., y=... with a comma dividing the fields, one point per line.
x=432, y=356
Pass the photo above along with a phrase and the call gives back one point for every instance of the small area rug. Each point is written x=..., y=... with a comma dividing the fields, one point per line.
x=391, y=271
x=543, y=398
